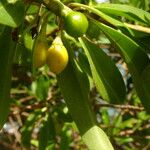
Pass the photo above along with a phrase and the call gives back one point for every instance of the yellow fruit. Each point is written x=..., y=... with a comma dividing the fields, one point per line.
x=57, y=56
x=40, y=54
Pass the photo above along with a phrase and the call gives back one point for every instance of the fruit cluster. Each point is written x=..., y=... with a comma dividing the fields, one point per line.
x=56, y=57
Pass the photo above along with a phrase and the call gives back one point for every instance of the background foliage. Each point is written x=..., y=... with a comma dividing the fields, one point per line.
x=39, y=117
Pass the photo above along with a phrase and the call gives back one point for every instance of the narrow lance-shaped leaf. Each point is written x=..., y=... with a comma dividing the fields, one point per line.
x=146, y=79
x=6, y=57
x=144, y=43
x=104, y=16
x=129, y=12
x=74, y=86
x=11, y=13
x=136, y=59
x=47, y=133
x=75, y=89
x=83, y=63
x=107, y=77
x=28, y=128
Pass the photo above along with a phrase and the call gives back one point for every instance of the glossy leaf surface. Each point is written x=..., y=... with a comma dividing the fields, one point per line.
x=75, y=89
x=6, y=57
x=105, y=74
x=11, y=12
x=128, y=12
x=136, y=59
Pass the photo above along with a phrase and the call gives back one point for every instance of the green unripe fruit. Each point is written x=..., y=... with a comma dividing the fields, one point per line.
x=76, y=24
x=40, y=54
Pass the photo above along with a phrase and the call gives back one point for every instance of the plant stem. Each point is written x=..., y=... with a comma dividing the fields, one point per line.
x=57, y=7
x=138, y=28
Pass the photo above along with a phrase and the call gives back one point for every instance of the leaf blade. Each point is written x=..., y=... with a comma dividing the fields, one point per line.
x=6, y=56
x=127, y=11
x=75, y=88
x=131, y=53
x=9, y=13
x=107, y=78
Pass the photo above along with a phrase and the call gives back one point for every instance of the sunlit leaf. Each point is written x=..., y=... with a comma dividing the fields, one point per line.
x=75, y=89
x=9, y=12
x=106, y=76
x=136, y=59
x=127, y=11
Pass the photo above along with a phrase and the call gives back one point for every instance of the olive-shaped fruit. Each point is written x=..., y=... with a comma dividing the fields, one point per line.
x=57, y=57
x=39, y=53
x=76, y=24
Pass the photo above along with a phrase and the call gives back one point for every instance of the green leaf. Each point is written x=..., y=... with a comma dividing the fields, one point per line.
x=27, y=38
x=11, y=12
x=105, y=74
x=6, y=57
x=83, y=63
x=143, y=116
x=32, y=9
x=102, y=15
x=134, y=32
x=62, y=115
x=130, y=123
x=96, y=134
x=93, y=31
x=42, y=87
x=2, y=27
x=131, y=13
x=47, y=133
x=74, y=86
x=136, y=59
x=123, y=140
x=144, y=43
x=145, y=77
x=66, y=137
x=28, y=128
x=105, y=116
x=22, y=55
x=117, y=123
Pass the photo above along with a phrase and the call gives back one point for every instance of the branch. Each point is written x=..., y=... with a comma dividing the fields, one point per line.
x=129, y=107
x=57, y=7
x=138, y=27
